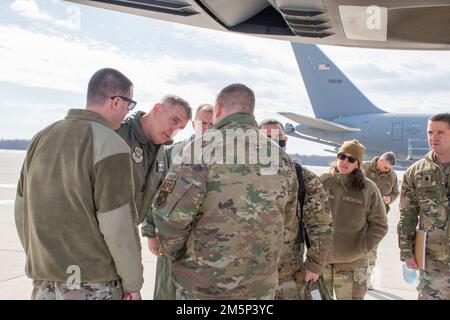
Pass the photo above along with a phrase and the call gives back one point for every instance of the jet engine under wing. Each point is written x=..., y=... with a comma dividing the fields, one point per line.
x=318, y=123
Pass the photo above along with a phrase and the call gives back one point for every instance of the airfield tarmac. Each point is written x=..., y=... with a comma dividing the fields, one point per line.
x=14, y=285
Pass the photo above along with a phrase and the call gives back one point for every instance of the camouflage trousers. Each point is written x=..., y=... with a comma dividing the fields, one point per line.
x=294, y=290
x=434, y=281
x=372, y=257
x=347, y=284
x=183, y=294
x=164, y=287
x=51, y=290
x=288, y=290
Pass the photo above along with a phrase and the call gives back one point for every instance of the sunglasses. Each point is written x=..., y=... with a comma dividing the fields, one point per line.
x=131, y=103
x=350, y=159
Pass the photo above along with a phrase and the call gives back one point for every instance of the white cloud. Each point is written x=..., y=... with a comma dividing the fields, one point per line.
x=29, y=9
x=64, y=62
x=74, y=20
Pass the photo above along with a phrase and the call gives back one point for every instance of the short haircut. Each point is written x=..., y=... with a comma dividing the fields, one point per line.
x=271, y=121
x=237, y=97
x=442, y=117
x=171, y=100
x=206, y=107
x=105, y=83
x=389, y=157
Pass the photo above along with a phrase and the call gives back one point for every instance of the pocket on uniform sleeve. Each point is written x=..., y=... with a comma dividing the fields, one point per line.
x=180, y=197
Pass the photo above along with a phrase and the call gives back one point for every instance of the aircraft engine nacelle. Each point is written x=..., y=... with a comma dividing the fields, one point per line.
x=289, y=128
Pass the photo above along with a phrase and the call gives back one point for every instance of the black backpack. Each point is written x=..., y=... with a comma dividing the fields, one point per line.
x=302, y=235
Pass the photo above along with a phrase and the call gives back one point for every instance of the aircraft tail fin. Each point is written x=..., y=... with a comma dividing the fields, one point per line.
x=331, y=93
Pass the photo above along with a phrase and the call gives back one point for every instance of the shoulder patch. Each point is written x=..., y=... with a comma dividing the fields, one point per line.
x=171, y=176
x=138, y=155
x=160, y=166
x=168, y=186
x=161, y=199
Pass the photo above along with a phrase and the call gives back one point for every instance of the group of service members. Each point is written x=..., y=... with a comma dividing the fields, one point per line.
x=223, y=227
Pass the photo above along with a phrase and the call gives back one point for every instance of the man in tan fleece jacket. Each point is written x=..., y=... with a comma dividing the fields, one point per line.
x=74, y=206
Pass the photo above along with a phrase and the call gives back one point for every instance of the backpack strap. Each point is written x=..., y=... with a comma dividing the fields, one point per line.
x=302, y=235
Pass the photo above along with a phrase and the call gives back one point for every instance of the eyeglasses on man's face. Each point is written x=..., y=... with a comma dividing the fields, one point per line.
x=342, y=156
x=131, y=103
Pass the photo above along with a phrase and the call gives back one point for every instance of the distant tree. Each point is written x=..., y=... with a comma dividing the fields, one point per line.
x=14, y=144
x=312, y=160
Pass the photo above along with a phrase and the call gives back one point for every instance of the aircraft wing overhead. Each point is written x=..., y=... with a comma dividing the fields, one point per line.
x=399, y=24
x=318, y=123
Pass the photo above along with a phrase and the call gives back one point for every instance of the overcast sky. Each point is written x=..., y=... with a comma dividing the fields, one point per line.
x=50, y=48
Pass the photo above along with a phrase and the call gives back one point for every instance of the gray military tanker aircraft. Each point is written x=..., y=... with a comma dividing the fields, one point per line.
x=393, y=24
x=342, y=112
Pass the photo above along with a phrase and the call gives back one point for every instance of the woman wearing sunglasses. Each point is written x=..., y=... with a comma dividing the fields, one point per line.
x=359, y=222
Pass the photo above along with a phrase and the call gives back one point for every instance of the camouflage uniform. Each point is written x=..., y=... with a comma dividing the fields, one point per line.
x=349, y=282
x=223, y=221
x=424, y=201
x=164, y=286
x=317, y=222
x=388, y=186
x=51, y=290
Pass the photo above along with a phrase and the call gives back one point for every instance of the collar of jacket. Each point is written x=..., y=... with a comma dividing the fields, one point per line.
x=134, y=121
x=433, y=160
x=343, y=179
x=88, y=115
x=375, y=166
x=431, y=157
x=236, y=118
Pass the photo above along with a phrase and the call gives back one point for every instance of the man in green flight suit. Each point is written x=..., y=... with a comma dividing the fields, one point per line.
x=145, y=133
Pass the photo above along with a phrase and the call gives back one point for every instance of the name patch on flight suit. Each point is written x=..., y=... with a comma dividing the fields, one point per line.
x=166, y=188
x=138, y=155
x=160, y=167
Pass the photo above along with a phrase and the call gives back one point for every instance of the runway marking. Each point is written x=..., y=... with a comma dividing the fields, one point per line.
x=6, y=201
x=12, y=186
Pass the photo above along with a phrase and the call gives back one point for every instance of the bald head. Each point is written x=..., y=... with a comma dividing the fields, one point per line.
x=105, y=83
x=234, y=98
x=237, y=97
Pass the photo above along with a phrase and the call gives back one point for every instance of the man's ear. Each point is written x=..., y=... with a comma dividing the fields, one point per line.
x=218, y=109
x=286, y=138
x=156, y=108
x=114, y=104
